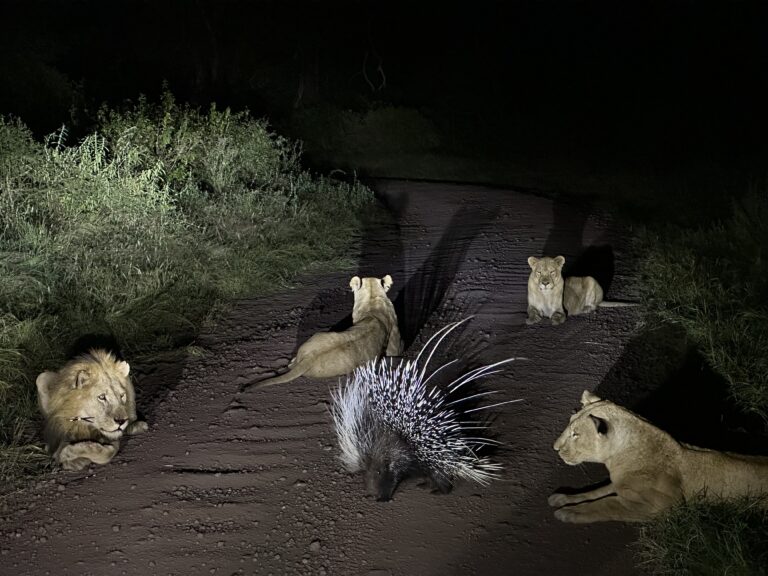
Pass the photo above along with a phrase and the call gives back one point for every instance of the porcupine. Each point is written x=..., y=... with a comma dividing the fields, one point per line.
x=390, y=426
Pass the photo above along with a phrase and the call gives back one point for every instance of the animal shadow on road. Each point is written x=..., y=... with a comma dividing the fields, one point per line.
x=566, y=237
x=382, y=252
x=661, y=378
x=427, y=286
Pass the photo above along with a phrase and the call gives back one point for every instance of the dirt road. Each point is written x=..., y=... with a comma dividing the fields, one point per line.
x=249, y=483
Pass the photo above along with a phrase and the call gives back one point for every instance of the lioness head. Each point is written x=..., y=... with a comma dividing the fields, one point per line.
x=369, y=292
x=589, y=436
x=547, y=273
x=94, y=390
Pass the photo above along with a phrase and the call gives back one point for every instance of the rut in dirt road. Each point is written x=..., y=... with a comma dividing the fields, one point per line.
x=250, y=483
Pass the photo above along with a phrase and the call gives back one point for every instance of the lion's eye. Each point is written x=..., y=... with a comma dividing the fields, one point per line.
x=103, y=397
x=122, y=397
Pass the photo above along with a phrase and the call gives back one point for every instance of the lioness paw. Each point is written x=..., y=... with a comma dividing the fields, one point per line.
x=137, y=427
x=557, y=500
x=558, y=318
x=567, y=514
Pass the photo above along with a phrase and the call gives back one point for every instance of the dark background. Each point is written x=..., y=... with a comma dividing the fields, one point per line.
x=665, y=83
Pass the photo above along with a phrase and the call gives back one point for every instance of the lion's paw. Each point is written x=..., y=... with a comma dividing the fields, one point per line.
x=566, y=514
x=558, y=499
x=137, y=427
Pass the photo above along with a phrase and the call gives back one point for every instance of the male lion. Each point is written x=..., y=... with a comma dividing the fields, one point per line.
x=88, y=405
x=551, y=296
x=374, y=332
x=649, y=470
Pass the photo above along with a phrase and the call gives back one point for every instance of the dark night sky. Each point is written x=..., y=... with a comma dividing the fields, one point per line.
x=662, y=79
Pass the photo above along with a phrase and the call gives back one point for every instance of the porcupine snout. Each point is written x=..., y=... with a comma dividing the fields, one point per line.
x=389, y=462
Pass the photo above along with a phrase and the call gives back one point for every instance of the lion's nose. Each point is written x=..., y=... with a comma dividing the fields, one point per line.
x=545, y=281
x=120, y=421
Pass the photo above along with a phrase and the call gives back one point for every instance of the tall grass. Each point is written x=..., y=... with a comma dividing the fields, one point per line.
x=698, y=539
x=139, y=231
x=713, y=281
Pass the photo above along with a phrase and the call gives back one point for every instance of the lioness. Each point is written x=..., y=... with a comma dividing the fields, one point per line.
x=88, y=405
x=649, y=470
x=549, y=296
x=374, y=332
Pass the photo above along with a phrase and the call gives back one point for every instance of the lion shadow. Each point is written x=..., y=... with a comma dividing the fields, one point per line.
x=662, y=378
x=382, y=252
x=566, y=237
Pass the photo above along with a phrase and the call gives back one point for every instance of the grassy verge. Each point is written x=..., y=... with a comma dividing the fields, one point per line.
x=713, y=282
x=139, y=232
x=700, y=539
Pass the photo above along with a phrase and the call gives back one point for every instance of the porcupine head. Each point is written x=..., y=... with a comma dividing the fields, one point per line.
x=390, y=461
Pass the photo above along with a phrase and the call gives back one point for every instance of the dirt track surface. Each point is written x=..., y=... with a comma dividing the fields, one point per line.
x=249, y=483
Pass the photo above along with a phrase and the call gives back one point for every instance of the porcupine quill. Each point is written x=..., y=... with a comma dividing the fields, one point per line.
x=391, y=426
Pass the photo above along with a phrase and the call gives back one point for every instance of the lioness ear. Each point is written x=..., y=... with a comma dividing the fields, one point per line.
x=123, y=367
x=43, y=382
x=81, y=379
x=355, y=283
x=532, y=261
x=386, y=282
x=600, y=425
x=560, y=261
x=588, y=398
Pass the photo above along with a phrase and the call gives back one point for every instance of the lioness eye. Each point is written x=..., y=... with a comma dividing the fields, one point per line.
x=102, y=397
x=122, y=396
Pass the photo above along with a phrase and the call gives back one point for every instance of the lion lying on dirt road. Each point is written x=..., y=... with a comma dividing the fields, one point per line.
x=88, y=405
x=551, y=296
x=649, y=470
x=374, y=332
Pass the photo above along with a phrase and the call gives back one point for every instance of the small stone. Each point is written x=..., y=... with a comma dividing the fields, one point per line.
x=115, y=528
x=314, y=547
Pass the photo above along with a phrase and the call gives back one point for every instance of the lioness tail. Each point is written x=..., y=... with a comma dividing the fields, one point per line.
x=298, y=370
x=614, y=304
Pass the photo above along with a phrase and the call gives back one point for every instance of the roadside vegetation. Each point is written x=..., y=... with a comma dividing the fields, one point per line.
x=141, y=231
x=712, y=280
x=698, y=539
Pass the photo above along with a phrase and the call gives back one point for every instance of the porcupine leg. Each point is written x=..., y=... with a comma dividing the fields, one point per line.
x=440, y=485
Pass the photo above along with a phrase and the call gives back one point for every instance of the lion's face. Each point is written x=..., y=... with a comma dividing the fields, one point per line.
x=546, y=272
x=587, y=437
x=103, y=404
x=95, y=392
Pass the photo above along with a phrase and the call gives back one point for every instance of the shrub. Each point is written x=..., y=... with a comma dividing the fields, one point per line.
x=140, y=231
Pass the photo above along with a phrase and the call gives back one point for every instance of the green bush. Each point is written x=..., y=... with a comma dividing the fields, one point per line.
x=700, y=539
x=713, y=281
x=140, y=231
